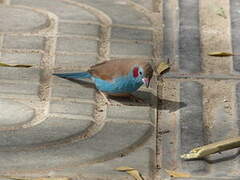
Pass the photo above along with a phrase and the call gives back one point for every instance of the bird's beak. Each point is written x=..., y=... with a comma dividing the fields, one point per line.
x=146, y=81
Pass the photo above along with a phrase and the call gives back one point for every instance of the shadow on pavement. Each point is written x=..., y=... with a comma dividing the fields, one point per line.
x=218, y=159
x=147, y=97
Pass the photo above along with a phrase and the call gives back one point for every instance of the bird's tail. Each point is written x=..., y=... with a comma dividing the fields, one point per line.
x=80, y=75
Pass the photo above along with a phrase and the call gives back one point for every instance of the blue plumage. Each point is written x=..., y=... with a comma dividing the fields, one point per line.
x=115, y=76
x=124, y=84
x=81, y=75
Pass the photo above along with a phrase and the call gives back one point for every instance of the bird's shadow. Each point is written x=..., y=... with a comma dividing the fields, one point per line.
x=151, y=100
x=216, y=159
x=148, y=98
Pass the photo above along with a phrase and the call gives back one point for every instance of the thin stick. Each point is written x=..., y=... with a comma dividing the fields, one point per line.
x=220, y=146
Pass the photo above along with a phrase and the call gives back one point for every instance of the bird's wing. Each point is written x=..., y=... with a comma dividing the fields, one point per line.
x=108, y=70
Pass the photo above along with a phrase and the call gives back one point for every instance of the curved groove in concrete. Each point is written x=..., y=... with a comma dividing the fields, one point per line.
x=51, y=18
x=103, y=18
x=14, y=113
x=107, y=157
x=47, y=62
x=103, y=50
x=101, y=108
x=157, y=27
x=56, y=143
x=47, y=65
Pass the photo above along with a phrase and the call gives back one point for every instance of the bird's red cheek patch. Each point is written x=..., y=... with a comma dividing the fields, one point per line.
x=135, y=72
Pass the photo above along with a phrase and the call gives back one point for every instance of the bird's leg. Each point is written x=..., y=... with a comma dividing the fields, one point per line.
x=136, y=99
x=105, y=97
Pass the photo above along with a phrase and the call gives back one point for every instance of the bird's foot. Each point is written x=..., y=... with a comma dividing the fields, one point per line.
x=136, y=99
x=105, y=97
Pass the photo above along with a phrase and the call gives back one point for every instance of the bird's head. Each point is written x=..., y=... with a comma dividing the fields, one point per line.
x=142, y=73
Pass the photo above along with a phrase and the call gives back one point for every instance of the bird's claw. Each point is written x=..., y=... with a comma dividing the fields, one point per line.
x=108, y=102
x=136, y=99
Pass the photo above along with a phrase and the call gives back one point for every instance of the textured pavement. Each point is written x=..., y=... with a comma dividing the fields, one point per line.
x=52, y=127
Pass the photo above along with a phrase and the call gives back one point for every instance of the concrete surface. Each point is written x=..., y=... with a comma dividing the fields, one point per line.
x=52, y=127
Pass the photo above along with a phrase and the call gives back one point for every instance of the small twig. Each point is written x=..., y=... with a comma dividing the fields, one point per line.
x=220, y=146
x=17, y=65
x=222, y=54
x=163, y=132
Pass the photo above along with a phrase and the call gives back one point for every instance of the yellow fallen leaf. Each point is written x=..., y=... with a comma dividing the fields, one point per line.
x=124, y=168
x=220, y=54
x=18, y=65
x=135, y=174
x=220, y=12
x=131, y=171
x=162, y=67
x=177, y=174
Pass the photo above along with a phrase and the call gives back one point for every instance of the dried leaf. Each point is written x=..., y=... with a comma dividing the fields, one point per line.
x=177, y=174
x=162, y=67
x=220, y=54
x=124, y=168
x=5, y=65
x=131, y=171
x=135, y=174
x=18, y=65
x=22, y=65
x=220, y=12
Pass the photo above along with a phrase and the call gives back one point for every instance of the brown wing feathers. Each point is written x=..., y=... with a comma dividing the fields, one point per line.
x=108, y=70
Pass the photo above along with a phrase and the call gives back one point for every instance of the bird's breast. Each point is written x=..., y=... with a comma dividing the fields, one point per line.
x=118, y=85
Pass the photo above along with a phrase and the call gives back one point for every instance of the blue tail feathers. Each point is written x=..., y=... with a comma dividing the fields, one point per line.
x=80, y=75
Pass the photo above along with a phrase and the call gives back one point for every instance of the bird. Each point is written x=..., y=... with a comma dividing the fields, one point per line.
x=116, y=77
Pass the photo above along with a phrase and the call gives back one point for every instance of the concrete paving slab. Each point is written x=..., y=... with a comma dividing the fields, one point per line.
x=119, y=48
x=72, y=61
x=63, y=154
x=33, y=20
x=21, y=58
x=234, y=5
x=67, y=89
x=125, y=113
x=73, y=133
x=22, y=112
x=74, y=44
x=116, y=9
x=62, y=9
x=53, y=127
x=201, y=83
x=77, y=28
x=15, y=89
x=17, y=74
x=19, y=42
x=131, y=34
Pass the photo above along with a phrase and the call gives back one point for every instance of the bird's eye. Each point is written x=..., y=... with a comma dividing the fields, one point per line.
x=140, y=73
